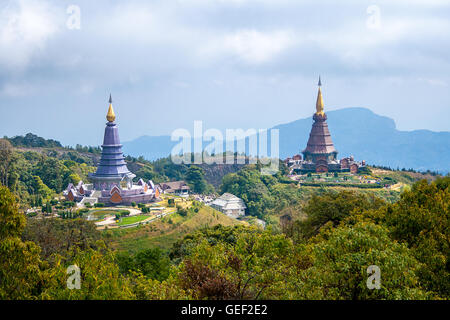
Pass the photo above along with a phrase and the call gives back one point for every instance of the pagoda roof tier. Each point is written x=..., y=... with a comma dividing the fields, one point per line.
x=319, y=141
x=112, y=161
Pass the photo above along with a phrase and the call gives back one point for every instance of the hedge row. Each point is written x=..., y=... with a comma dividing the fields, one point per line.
x=345, y=185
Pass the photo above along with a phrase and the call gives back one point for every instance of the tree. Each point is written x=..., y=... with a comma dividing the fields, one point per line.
x=146, y=173
x=422, y=218
x=74, y=178
x=340, y=258
x=53, y=173
x=32, y=140
x=58, y=236
x=100, y=278
x=253, y=188
x=182, y=211
x=252, y=264
x=12, y=222
x=6, y=152
x=20, y=265
x=195, y=176
x=334, y=207
x=152, y=263
x=20, y=269
x=149, y=289
x=40, y=188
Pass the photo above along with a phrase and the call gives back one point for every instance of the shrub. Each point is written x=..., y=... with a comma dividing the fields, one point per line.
x=181, y=211
x=364, y=170
x=99, y=205
x=124, y=213
x=69, y=204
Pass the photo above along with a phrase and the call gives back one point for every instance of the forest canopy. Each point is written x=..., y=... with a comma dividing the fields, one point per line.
x=324, y=256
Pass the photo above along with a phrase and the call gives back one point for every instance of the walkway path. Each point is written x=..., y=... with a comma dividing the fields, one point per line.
x=111, y=220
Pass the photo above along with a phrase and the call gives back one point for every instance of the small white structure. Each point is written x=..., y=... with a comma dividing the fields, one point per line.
x=230, y=205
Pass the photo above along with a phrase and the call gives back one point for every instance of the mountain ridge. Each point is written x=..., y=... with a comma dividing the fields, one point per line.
x=355, y=131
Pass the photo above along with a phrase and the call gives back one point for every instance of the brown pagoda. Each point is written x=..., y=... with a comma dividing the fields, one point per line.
x=320, y=154
x=320, y=151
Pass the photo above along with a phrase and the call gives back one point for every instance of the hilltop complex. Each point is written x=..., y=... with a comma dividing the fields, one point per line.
x=320, y=154
x=112, y=183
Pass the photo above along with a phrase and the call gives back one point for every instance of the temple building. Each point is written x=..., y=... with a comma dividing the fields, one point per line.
x=230, y=205
x=112, y=183
x=178, y=188
x=320, y=155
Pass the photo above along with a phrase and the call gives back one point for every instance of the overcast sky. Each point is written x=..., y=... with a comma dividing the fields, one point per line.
x=231, y=63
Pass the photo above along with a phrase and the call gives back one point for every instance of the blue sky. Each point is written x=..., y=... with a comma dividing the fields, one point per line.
x=231, y=63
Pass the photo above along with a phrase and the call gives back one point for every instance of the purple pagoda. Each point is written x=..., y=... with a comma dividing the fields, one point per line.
x=112, y=183
x=112, y=169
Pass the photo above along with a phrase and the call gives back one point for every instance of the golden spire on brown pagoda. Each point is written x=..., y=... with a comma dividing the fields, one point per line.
x=111, y=116
x=319, y=103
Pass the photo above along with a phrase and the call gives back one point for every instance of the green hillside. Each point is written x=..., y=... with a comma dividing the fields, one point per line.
x=163, y=233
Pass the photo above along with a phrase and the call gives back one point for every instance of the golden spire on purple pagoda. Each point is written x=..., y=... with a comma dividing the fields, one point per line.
x=111, y=116
x=319, y=103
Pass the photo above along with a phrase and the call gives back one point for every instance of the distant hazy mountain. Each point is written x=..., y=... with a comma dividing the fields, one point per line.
x=150, y=147
x=355, y=131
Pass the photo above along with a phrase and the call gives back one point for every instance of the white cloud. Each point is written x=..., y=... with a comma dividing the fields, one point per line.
x=256, y=47
x=152, y=27
x=236, y=2
x=355, y=44
x=16, y=89
x=249, y=46
x=25, y=27
x=434, y=82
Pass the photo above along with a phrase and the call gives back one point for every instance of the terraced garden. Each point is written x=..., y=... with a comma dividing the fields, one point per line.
x=131, y=220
